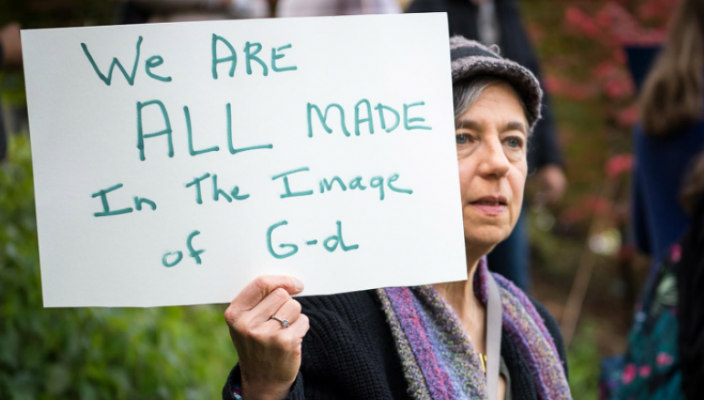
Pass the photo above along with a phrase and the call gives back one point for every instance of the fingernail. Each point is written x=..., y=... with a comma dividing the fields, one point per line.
x=297, y=284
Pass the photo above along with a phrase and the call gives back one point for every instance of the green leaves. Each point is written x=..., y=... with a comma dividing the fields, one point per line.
x=93, y=353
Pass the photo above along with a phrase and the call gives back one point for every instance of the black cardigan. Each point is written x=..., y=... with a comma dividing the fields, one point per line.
x=349, y=353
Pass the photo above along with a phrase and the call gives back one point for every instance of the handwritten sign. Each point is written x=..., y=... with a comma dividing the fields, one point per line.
x=174, y=163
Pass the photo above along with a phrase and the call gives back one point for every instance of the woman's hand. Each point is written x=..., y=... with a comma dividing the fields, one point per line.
x=269, y=351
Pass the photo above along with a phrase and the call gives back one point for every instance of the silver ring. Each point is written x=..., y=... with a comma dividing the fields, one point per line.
x=284, y=322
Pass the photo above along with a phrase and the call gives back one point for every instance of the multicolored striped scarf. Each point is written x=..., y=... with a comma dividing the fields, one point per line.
x=438, y=359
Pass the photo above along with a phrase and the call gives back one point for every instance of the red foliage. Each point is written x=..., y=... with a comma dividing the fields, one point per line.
x=618, y=164
x=588, y=65
x=616, y=23
x=580, y=22
x=614, y=79
x=628, y=116
x=612, y=26
x=656, y=11
x=569, y=88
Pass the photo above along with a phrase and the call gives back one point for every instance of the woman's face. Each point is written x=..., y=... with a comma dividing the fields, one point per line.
x=491, y=140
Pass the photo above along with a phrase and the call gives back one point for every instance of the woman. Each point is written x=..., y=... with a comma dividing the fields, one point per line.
x=429, y=341
x=499, y=22
x=669, y=147
x=671, y=134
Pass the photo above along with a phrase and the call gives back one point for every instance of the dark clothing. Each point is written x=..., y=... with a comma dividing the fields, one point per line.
x=349, y=353
x=462, y=17
x=661, y=164
x=690, y=314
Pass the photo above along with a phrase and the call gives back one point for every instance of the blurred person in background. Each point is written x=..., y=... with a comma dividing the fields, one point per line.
x=148, y=11
x=310, y=8
x=499, y=22
x=10, y=58
x=671, y=133
x=690, y=279
x=669, y=178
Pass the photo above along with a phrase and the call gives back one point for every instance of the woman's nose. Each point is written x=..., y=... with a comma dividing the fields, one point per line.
x=493, y=162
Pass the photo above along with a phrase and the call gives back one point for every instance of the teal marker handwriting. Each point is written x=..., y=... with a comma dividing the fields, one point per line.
x=159, y=112
x=149, y=65
x=191, y=150
x=139, y=203
x=287, y=186
x=172, y=258
x=256, y=59
x=363, y=118
x=287, y=249
x=218, y=193
x=167, y=128
x=336, y=183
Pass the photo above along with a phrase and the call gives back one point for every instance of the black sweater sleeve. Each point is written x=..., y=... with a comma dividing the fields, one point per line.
x=341, y=351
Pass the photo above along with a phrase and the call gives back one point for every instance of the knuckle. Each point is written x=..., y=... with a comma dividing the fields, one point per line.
x=231, y=315
x=296, y=306
x=241, y=326
x=298, y=349
x=304, y=321
x=261, y=284
x=261, y=336
x=281, y=294
x=282, y=341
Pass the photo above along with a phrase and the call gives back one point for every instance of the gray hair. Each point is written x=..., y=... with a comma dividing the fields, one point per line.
x=466, y=92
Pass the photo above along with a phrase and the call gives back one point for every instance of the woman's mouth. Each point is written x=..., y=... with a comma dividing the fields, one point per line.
x=490, y=205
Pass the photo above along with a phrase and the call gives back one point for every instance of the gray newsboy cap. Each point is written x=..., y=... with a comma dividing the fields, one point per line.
x=471, y=59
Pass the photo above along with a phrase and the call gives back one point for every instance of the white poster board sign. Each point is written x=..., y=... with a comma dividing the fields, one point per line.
x=174, y=163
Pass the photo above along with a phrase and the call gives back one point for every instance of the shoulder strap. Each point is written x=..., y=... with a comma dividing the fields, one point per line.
x=493, y=338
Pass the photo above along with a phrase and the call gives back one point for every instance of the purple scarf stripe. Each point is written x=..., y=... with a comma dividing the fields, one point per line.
x=453, y=346
x=431, y=341
x=435, y=342
x=526, y=303
x=436, y=377
x=520, y=317
x=524, y=346
x=441, y=308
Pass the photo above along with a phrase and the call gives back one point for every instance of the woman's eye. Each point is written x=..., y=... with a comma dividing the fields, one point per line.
x=514, y=142
x=462, y=138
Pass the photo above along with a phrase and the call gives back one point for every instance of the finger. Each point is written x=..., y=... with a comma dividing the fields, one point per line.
x=298, y=330
x=291, y=338
x=289, y=311
x=260, y=288
x=263, y=311
x=301, y=326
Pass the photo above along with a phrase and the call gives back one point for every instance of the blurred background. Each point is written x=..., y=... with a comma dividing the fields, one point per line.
x=584, y=268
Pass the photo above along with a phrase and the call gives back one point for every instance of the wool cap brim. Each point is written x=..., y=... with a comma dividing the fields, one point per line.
x=472, y=59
